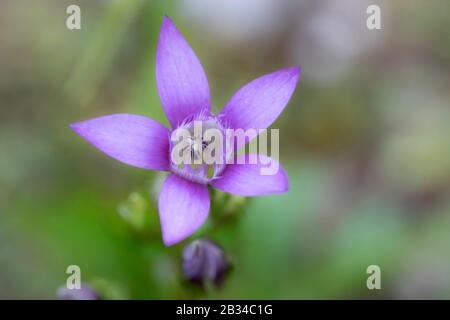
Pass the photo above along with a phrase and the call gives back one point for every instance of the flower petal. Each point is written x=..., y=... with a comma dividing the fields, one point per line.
x=247, y=180
x=183, y=208
x=131, y=139
x=182, y=84
x=257, y=104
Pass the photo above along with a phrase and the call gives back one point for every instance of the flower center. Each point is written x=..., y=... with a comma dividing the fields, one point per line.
x=198, y=149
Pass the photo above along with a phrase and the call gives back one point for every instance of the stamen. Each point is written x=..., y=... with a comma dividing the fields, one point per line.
x=198, y=170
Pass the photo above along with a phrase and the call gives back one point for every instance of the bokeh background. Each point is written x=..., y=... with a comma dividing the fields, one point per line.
x=364, y=140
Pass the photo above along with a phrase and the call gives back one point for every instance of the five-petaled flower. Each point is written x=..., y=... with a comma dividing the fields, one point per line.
x=184, y=93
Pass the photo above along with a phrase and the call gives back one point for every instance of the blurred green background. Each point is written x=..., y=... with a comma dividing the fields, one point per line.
x=364, y=140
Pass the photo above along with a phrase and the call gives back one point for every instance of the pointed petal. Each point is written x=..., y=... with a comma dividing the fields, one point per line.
x=135, y=140
x=183, y=208
x=257, y=104
x=247, y=179
x=182, y=84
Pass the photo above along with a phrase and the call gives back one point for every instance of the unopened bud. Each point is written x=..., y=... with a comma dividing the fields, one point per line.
x=84, y=293
x=204, y=261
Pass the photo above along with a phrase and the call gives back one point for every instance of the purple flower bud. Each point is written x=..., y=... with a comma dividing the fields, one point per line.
x=84, y=293
x=204, y=261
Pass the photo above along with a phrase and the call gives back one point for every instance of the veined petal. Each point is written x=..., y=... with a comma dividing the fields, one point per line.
x=135, y=140
x=183, y=208
x=247, y=179
x=257, y=104
x=182, y=84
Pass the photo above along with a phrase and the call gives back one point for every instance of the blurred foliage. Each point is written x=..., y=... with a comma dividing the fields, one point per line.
x=364, y=142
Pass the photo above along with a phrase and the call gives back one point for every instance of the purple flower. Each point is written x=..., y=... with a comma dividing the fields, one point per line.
x=184, y=93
